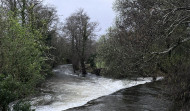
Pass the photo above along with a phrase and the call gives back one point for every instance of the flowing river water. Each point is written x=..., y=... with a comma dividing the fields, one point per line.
x=67, y=90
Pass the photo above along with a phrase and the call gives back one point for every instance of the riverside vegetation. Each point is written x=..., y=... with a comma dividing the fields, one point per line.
x=148, y=38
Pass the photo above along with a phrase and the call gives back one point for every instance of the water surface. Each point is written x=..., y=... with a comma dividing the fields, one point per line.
x=67, y=90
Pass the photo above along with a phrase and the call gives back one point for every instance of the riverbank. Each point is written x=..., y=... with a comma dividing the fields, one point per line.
x=145, y=97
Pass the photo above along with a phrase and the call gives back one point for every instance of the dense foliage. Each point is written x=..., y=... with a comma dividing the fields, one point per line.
x=21, y=60
x=24, y=49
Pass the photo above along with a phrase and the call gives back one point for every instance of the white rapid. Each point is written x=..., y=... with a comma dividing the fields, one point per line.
x=67, y=90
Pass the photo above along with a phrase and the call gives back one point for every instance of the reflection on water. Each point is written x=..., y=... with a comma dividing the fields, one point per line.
x=67, y=90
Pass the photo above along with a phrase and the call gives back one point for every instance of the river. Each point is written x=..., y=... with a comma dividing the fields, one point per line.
x=66, y=90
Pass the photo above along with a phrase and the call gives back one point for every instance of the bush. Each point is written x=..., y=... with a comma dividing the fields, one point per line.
x=22, y=106
x=22, y=61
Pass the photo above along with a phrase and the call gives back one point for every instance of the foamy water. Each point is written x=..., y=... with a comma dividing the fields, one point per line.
x=67, y=90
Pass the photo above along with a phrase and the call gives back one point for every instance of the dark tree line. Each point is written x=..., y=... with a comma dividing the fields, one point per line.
x=150, y=38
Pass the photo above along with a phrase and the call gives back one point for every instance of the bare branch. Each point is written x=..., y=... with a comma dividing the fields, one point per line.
x=179, y=22
x=172, y=48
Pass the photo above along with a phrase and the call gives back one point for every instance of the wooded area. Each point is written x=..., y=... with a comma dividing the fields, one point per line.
x=25, y=33
x=149, y=38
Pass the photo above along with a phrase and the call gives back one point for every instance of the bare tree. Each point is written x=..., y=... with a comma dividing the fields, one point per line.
x=80, y=30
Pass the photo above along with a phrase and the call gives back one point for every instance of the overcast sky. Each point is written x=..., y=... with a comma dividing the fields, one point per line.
x=98, y=10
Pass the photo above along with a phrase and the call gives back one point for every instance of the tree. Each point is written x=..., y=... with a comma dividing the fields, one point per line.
x=22, y=61
x=24, y=51
x=131, y=38
x=80, y=31
x=152, y=34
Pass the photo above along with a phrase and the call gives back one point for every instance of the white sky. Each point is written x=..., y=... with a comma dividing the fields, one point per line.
x=98, y=10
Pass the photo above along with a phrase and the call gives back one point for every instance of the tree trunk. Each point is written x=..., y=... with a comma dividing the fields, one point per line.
x=23, y=12
x=73, y=51
x=83, y=68
x=75, y=62
x=83, y=53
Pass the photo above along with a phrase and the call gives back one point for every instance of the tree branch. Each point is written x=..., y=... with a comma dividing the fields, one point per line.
x=177, y=9
x=173, y=47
